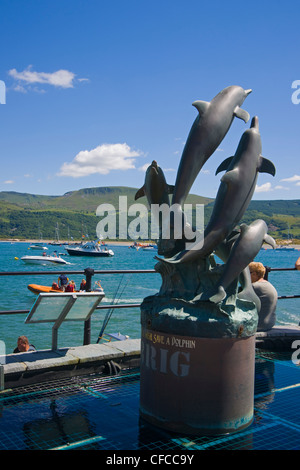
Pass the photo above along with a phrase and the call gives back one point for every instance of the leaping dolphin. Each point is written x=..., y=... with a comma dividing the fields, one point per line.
x=155, y=187
x=207, y=132
x=234, y=194
x=242, y=253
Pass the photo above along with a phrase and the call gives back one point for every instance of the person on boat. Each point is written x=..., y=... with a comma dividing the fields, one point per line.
x=23, y=345
x=82, y=285
x=62, y=281
x=98, y=286
x=70, y=287
x=267, y=294
x=55, y=286
x=297, y=264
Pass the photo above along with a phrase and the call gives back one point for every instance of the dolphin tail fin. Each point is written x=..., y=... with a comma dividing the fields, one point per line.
x=241, y=114
x=201, y=106
x=266, y=166
x=218, y=296
x=248, y=294
x=224, y=165
x=270, y=241
x=140, y=193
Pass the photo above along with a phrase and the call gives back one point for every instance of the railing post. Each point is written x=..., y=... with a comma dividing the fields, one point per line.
x=89, y=272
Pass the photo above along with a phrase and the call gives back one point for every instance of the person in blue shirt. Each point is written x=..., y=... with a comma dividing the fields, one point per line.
x=62, y=281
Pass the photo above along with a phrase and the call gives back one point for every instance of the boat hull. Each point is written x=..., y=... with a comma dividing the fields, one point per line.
x=99, y=254
x=37, y=289
x=43, y=260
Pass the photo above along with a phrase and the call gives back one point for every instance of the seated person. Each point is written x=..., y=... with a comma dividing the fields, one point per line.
x=23, y=345
x=83, y=285
x=70, y=287
x=55, y=286
x=267, y=295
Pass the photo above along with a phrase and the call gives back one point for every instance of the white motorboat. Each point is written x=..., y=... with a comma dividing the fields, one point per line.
x=44, y=260
x=37, y=246
x=90, y=249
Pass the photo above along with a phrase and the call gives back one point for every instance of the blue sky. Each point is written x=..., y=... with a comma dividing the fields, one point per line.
x=96, y=90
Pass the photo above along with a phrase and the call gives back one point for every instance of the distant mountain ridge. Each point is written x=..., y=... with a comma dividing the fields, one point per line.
x=23, y=215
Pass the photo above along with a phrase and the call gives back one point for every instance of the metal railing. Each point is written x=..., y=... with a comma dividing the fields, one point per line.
x=89, y=273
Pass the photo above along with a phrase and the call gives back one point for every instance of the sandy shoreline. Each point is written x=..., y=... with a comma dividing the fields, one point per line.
x=125, y=242
x=46, y=242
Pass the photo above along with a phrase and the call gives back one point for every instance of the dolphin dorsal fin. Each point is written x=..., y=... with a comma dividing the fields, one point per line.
x=201, y=106
x=170, y=188
x=266, y=166
x=140, y=193
x=241, y=114
x=224, y=165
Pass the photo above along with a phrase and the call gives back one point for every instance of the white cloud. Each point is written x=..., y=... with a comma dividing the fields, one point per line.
x=9, y=182
x=60, y=79
x=144, y=167
x=293, y=179
x=282, y=187
x=264, y=188
x=101, y=160
x=20, y=89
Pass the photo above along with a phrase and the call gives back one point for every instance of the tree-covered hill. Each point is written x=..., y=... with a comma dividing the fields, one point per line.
x=24, y=215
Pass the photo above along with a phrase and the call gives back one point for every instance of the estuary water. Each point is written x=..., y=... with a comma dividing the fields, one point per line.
x=121, y=288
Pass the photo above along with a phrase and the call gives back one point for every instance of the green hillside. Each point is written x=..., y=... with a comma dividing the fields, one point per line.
x=24, y=215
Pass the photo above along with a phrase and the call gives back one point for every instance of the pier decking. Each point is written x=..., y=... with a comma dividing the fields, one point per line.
x=38, y=366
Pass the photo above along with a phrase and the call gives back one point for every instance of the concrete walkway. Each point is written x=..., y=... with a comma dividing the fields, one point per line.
x=39, y=366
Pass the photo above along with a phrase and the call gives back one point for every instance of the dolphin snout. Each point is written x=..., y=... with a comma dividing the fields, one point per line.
x=248, y=91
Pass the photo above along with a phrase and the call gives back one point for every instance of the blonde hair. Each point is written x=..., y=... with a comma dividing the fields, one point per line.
x=258, y=268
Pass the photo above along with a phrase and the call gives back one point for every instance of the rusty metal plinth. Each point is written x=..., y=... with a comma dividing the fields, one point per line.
x=200, y=386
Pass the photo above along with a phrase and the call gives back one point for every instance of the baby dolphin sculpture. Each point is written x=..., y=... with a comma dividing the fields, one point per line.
x=234, y=194
x=242, y=253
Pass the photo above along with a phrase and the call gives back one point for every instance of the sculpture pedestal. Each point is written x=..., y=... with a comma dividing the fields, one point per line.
x=197, y=357
x=199, y=386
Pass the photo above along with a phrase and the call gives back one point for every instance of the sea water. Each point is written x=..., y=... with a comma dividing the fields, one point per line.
x=118, y=288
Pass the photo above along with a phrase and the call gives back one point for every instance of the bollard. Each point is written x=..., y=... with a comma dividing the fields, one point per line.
x=89, y=272
x=1, y=377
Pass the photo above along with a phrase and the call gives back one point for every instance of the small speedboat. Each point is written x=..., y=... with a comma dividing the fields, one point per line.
x=44, y=260
x=36, y=246
x=90, y=249
x=39, y=289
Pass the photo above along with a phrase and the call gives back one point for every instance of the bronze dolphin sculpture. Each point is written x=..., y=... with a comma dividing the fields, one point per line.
x=242, y=253
x=234, y=194
x=207, y=132
x=155, y=187
x=157, y=192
